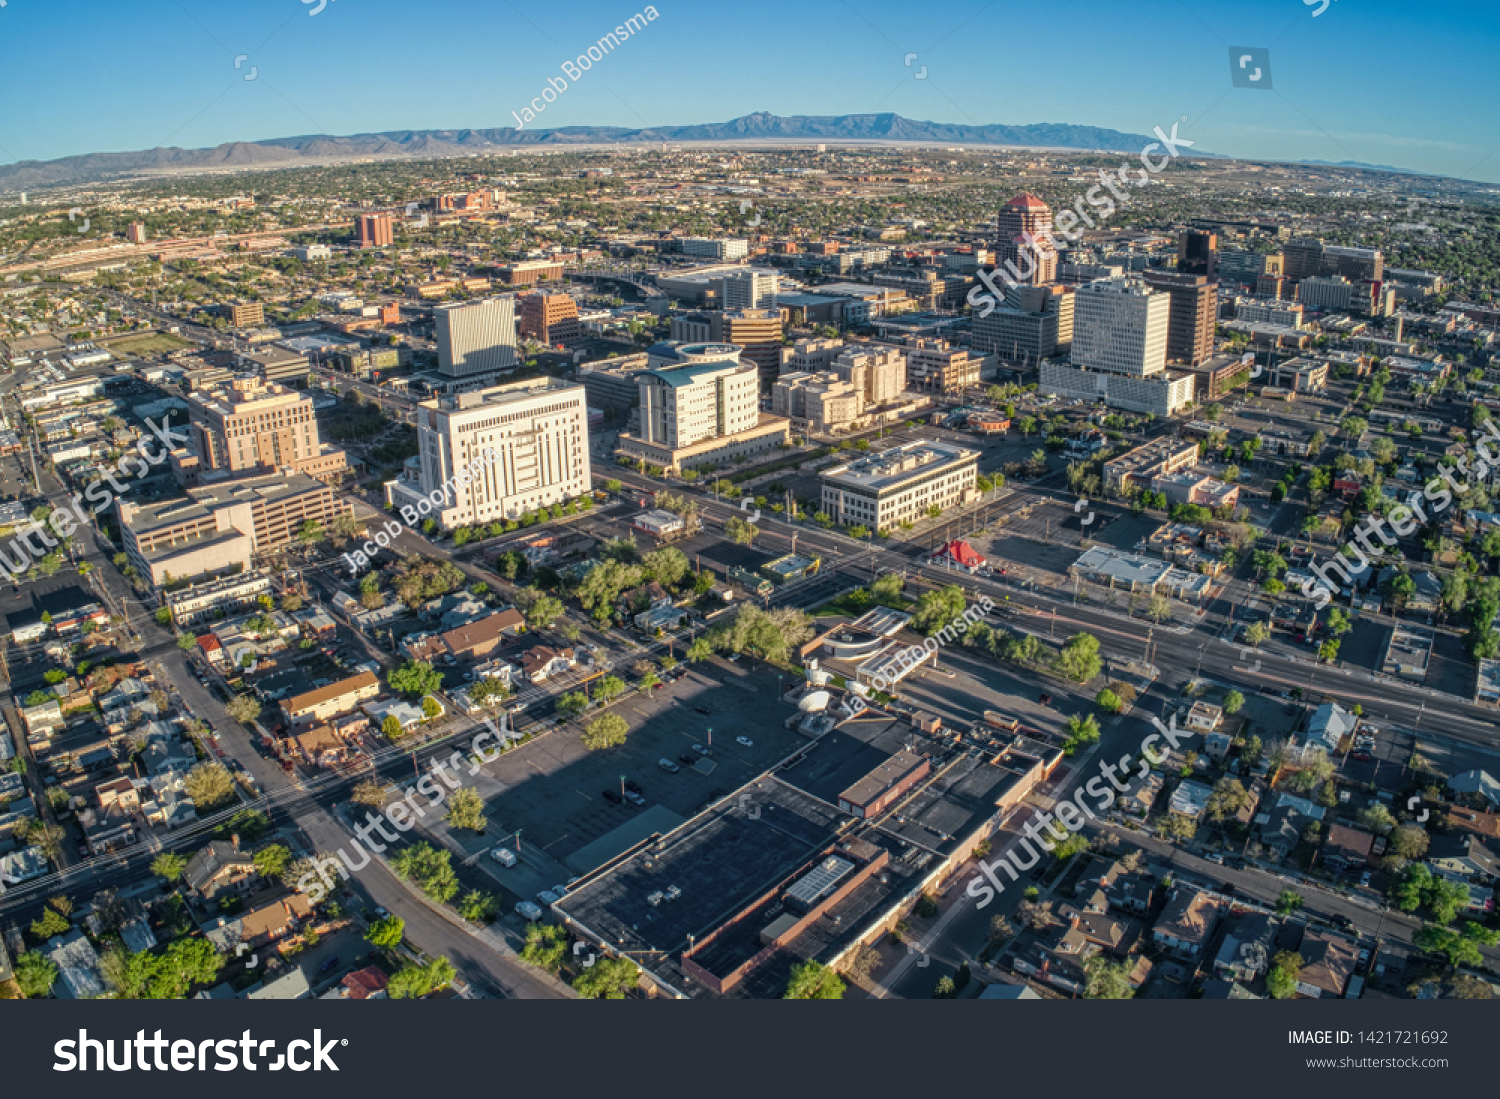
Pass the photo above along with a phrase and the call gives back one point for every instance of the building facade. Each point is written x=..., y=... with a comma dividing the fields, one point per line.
x=885, y=489
x=476, y=337
x=535, y=435
x=550, y=318
x=374, y=231
x=250, y=427
x=1023, y=246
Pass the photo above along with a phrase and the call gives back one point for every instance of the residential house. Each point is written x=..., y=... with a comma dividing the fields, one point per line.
x=291, y=985
x=1245, y=953
x=1347, y=849
x=321, y=747
x=363, y=984
x=79, y=974
x=540, y=662
x=1216, y=746
x=1463, y=854
x=1190, y=798
x=266, y=924
x=1476, y=785
x=1328, y=726
x=221, y=868
x=1132, y=892
x=1280, y=829
x=1204, y=717
x=107, y=828
x=1187, y=923
x=1140, y=793
x=472, y=641
x=1328, y=961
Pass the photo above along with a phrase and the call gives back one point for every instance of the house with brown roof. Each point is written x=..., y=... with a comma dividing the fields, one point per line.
x=472, y=640
x=540, y=662
x=1485, y=825
x=1347, y=848
x=1187, y=923
x=1328, y=961
x=315, y=707
x=322, y=746
x=275, y=920
x=365, y=984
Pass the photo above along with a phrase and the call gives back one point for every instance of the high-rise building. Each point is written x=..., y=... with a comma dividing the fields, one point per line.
x=1022, y=249
x=1303, y=259
x=136, y=233
x=476, y=337
x=1034, y=323
x=932, y=366
x=374, y=231
x=1193, y=308
x=1354, y=264
x=748, y=289
x=534, y=434
x=811, y=356
x=219, y=529
x=757, y=332
x=252, y=427
x=247, y=314
x=1240, y=266
x=699, y=403
x=1120, y=325
x=694, y=392
x=550, y=318
x=878, y=372
x=1119, y=350
x=1198, y=253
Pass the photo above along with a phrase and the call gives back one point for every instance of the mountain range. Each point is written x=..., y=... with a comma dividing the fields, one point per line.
x=761, y=126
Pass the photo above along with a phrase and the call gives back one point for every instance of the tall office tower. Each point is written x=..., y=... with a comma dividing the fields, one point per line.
x=476, y=337
x=1303, y=259
x=748, y=289
x=1198, y=253
x=1017, y=250
x=1354, y=264
x=535, y=434
x=374, y=230
x=878, y=372
x=550, y=318
x=136, y=233
x=249, y=427
x=695, y=392
x=1120, y=326
x=811, y=356
x=1194, y=307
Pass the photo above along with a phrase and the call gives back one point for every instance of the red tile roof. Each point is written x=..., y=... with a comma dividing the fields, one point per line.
x=1027, y=201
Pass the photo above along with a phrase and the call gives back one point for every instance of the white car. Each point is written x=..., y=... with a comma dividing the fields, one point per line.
x=504, y=856
x=547, y=897
x=744, y=741
x=528, y=911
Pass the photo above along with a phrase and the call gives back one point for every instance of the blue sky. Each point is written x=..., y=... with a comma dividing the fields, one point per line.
x=1408, y=84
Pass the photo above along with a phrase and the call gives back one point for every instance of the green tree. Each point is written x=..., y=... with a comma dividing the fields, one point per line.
x=186, y=642
x=1106, y=979
x=1410, y=841
x=605, y=731
x=1288, y=902
x=49, y=924
x=936, y=609
x=386, y=933
x=1079, y=659
x=272, y=861
x=416, y=981
x=478, y=905
x=814, y=981
x=1281, y=979
x=1234, y=702
x=466, y=810
x=546, y=946
x=1083, y=730
x=608, y=689
x=607, y=979
x=1108, y=701
x=739, y=531
x=371, y=793
x=430, y=868
x=243, y=708
x=36, y=974
x=1459, y=947
x=571, y=705
x=391, y=727
x=416, y=678
x=209, y=785
x=168, y=865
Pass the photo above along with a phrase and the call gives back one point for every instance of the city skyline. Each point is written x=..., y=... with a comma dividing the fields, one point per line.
x=163, y=76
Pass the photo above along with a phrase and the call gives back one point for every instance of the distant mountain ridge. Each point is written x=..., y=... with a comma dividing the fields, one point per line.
x=760, y=126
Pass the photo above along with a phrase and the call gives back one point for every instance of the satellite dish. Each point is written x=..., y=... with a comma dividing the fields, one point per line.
x=815, y=702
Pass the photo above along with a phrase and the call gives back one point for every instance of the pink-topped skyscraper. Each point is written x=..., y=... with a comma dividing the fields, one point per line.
x=1022, y=250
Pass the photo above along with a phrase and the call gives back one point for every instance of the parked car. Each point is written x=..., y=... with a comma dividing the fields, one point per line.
x=328, y=964
x=634, y=798
x=702, y=751
x=1213, y=856
x=528, y=911
x=504, y=856
x=1364, y=879
x=688, y=758
x=668, y=766
x=1044, y=699
x=547, y=897
x=744, y=741
x=614, y=796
